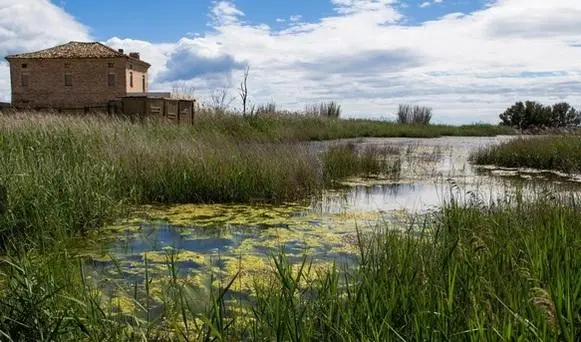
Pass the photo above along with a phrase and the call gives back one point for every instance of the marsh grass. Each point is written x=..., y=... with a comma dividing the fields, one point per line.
x=270, y=127
x=560, y=153
x=69, y=175
x=61, y=176
x=505, y=271
x=345, y=161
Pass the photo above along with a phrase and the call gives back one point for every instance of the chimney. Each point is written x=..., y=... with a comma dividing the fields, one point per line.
x=135, y=55
x=121, y=51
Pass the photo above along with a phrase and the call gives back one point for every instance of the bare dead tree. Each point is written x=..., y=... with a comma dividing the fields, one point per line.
x=244, y=90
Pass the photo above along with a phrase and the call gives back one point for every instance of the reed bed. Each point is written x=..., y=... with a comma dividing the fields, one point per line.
x=345, y=161
x=289, y=127
x=559, y=153
x=60, y=176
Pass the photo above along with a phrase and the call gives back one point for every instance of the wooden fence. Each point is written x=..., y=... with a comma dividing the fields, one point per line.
x=177, y=111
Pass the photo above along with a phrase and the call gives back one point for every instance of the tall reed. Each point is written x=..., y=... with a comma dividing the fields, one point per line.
x=560, y=153
x=65, y=175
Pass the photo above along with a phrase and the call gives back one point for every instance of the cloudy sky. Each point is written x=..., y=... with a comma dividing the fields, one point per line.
x=468, y=59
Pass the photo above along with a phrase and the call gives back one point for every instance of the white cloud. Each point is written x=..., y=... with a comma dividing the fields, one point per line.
x=155, y=54
x=467, y=66
x=224, y=12
x=295, y=18
x=35, y=24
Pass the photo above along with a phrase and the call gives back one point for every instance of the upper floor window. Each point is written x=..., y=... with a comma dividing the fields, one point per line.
x=131, y=79
x=67, y=65
x=143, y=83
x=130, y=66
x=24, y=66
x=110, y=65
x=68, y=79
x=24, y=79
x=111, y=80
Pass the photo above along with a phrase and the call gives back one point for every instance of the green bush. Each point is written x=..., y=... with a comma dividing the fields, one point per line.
x=535, y=115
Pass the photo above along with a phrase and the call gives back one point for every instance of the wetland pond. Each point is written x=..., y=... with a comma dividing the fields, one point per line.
x=210, y=242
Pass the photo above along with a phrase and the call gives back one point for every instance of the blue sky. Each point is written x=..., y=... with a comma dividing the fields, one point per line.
x=468, y=59
x=161, y=21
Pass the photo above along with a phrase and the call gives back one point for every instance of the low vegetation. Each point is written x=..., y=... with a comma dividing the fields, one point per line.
x=559, y=153
x=506, y=271
x=535, y=115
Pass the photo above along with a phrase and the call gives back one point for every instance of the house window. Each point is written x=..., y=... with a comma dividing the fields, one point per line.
x=111, y=65
x=130, y=66
x=131, y=79
x=24, y=66
x=68, y=79
x=67, y=65
x=143, y=83
x=111, y=80
x=24, y=80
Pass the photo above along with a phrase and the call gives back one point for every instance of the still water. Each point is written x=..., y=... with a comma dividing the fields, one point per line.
x=206, y=242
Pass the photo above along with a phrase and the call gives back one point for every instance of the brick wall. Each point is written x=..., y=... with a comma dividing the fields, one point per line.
x=90, y=82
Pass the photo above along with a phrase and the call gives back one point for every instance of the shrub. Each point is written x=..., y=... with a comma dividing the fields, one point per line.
x=417, y=115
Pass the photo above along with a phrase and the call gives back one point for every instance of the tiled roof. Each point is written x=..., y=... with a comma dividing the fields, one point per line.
x=75, y=50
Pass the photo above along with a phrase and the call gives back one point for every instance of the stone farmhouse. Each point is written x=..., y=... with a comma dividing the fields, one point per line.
x=76, y=75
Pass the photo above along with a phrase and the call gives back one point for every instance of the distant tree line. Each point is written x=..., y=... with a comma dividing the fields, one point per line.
x=531, y=114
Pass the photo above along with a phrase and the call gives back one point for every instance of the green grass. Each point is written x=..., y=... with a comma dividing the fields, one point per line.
x=60, y=176
x=301, y=128
x=560, y=153
x=345, y=161
x=509, y=271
